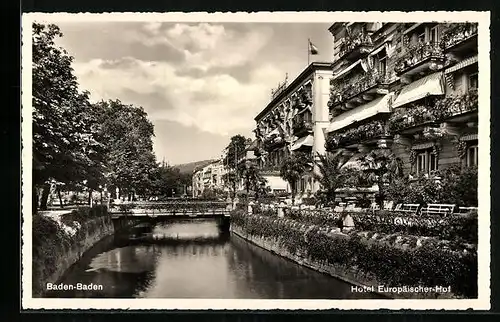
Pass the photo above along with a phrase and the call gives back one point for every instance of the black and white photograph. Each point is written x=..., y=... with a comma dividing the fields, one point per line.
x=256, y=160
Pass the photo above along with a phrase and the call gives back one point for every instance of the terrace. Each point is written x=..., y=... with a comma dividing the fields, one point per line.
x=354, y=136
x=355, y=46
x=419, y=59
x=457, y=37
x=272, y=142
x=302, y=125
x=360, y=90
x=270, y=170
x=416, y=116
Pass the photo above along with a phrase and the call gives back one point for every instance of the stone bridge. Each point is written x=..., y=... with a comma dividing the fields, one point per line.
x=151, y=213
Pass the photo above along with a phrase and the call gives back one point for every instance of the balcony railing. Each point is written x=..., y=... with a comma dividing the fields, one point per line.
x=301, y=125
x=441, y=109
x=458, y=34
x=359, y=134
x=270, y=169
x=418, y=54
x=342, y=91
x=355, y=46
x=273, y=142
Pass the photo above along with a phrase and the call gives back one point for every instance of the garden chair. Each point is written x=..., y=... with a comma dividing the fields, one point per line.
x=438, y=209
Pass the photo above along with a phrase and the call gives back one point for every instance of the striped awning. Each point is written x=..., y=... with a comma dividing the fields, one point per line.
x=354, y=162
x=429, y=85
x=345, y=70
x=422, y=146
x=303, y=141
x=379, y=105
x=469, y=137
x=464, y=63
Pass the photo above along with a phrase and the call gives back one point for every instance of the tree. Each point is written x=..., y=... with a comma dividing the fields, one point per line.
x=293, y=168
x=167, y=181
x=234, y=151
x=331, y=176
x=231, y=180
x=65, y=146
x=128, y=135
x=252, y=179
x=380, y=167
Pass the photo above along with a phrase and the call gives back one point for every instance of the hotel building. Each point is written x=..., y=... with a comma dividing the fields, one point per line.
x=294, y=120
x=407, y=87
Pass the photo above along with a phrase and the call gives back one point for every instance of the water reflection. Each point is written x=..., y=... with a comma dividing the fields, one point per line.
x=194, y=260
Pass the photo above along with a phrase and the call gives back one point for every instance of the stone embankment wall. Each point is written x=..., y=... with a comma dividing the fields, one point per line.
x=56, y=247
x=363, y=262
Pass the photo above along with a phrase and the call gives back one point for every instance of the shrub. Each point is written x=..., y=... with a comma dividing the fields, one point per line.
x=456, y=227
x=457, y=186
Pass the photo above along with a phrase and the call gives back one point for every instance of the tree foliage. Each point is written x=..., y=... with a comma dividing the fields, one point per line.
x=234, y=151
x=65, y=131
x=128, y=135
x=380, y=167
x=293, y=168
x=331, y=176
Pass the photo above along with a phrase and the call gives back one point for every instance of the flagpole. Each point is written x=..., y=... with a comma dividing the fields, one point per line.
x=308, y=51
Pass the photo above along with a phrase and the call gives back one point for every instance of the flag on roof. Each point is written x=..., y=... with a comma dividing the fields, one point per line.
x=313, y=50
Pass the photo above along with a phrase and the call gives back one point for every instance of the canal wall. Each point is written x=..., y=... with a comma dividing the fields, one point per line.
x=57, y=245
x=296, y=242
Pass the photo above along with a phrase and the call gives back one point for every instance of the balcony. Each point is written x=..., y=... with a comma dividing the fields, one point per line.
x=418, y=59
x=301, y=126
x=456, y=108
x=355, y=135
x=358, y=91
x=459, y=37
x=273, y=142
x=270, y=170
x=356, y=46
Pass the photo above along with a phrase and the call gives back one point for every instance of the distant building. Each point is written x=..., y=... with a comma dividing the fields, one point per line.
x=208, y=176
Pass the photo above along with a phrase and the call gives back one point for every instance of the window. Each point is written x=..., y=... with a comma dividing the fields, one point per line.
x=426, y=162
x=473, y=81
x=471, y=156
x=433, y=35
x=421, y=163
x=382, y=65
x=421, y=38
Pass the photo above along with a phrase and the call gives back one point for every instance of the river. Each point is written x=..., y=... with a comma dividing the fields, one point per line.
x=194, y=260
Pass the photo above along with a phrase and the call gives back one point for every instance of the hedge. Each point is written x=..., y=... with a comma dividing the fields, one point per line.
x=431, y=264
x=456, y=227
x=49, y=240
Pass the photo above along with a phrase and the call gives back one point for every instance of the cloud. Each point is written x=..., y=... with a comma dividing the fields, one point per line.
x=217, y=103
x=204, y=89
x=198, y=83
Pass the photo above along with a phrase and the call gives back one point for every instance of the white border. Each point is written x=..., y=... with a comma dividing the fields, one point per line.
x=483, y=301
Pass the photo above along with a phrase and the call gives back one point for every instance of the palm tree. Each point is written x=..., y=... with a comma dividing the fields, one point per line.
x=331, y=176
x=293, y=168
x=380, y=167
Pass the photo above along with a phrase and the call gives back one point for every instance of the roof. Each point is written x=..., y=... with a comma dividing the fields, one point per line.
x=306, y=72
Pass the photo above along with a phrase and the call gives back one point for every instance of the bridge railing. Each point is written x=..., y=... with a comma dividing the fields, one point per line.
x=178, y=208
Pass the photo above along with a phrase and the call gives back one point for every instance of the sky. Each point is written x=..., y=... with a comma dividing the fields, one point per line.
x=200, y=83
